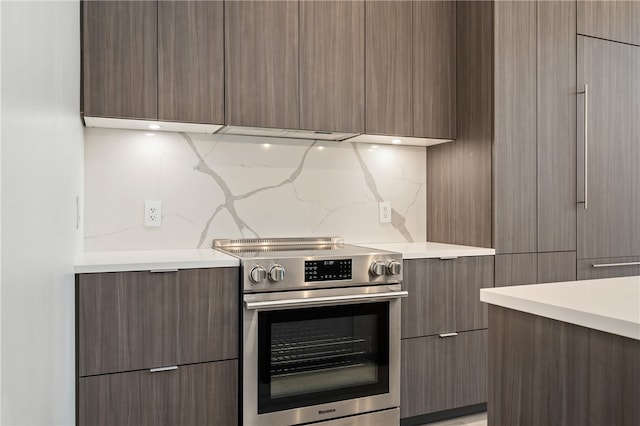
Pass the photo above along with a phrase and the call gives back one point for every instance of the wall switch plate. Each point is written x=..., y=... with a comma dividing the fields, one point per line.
x=385, y=212
x=152, y=213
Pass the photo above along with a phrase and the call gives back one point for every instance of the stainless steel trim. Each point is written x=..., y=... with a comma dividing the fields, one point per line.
x=448, y=334
x=159, y=369
x=448, y=257
x=264, y=242
x=610, y=265
x=377, y=418
x=333, y=300
x=159, y=271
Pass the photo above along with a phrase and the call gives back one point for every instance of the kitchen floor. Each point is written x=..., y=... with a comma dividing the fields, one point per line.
x=479, y=419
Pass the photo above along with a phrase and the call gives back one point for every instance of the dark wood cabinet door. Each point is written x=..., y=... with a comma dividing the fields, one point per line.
x=429, y=309
x=556, y=266
x=262, y=83
x=191, y=61
x=126, y=321
x=198, y=394
x=615, y=267
x=443, y=373
x=610, y=225
x=516, y=269
x=434, y=69
x=514, y=147
x=332, y=66
x=611, y=20
x=388, y=72
x=470, y=274
x=556, y=129
x=119, y=56
x=207, y=311
x=467, y=370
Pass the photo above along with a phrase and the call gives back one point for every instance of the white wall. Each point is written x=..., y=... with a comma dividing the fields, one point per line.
x=41, y=175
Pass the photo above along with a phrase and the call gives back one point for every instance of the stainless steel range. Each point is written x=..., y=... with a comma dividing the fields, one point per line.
x=321, y=332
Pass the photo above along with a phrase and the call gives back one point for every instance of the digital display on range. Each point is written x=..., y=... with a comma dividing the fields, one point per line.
x=327, y=270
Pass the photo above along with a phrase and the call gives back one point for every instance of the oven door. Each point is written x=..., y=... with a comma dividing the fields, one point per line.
x=320, y=354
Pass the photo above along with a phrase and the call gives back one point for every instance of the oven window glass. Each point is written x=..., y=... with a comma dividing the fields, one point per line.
x=318, y=355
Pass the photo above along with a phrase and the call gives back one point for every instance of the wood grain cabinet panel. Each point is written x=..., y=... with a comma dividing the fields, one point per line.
x=443, y=373
x=262, y=62
x=139, y=320
x=120, y=68
x=515, y=165
x=611, y=20
x=516, y=269
x=610, y=226
x=444, y=295
x=388, y=67
x=208, y=303
x=199, y=394
x=429, y=309
x=556, y=126
x=617, y=267
x=434, y=69
x=126, y=321
x=470, y=274
x=332, y=66
x=556, y=266
x=191, y=61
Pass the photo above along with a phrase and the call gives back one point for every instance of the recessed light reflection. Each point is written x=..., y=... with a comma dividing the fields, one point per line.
x=266, y=145
x=321, y=147
x=374, y=146
x=149, y=134
x=396, y=141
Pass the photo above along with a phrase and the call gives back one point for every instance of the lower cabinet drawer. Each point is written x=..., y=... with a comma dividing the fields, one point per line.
x=440, y=373
x=589, y=269
x=197, y=394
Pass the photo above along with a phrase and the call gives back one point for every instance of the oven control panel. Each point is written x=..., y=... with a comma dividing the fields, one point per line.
x=328, y=270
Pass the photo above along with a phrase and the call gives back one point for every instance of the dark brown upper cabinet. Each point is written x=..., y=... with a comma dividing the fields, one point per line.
x=389, y=107
x=411, y=68
x=610, y=20
x=263, y=87
x=120, y=66
x=332, y=66
x=153, y=60
x=434, y=69
x=190, y=61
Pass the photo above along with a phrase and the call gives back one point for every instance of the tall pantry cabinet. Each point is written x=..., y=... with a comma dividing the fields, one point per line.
x=520, y=153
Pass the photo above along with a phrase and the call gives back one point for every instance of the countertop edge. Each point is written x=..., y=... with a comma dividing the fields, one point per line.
x=572, y=316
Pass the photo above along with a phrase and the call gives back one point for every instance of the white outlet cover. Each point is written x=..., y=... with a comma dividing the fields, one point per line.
x=152, y=213
x=385, y=212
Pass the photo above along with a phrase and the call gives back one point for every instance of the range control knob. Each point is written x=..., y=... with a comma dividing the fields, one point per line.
x=394, y=267
x=377, y=268
x=276, y=273
x=258, y=274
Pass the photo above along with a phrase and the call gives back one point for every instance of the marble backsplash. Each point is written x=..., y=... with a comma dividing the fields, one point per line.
x=223, y=186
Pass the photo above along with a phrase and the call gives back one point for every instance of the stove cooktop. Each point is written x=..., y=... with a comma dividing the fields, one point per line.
x=278, y=264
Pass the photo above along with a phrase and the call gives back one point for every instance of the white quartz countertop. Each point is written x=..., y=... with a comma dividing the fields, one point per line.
x=426, y=250
x=146, y=260
x=610, y=304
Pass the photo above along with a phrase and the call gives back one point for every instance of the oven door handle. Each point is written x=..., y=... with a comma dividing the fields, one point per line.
x=325, y=300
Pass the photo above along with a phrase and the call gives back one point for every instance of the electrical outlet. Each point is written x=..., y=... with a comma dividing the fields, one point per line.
x=385, y=212
x=152, y=213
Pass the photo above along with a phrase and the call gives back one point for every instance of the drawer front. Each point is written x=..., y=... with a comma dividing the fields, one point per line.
x=126, y=321
x=140, y=320
x=444, y=295
x=609, y=267
x=196, y=394
x=443, y=373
